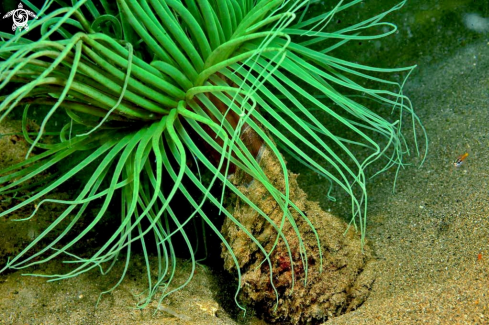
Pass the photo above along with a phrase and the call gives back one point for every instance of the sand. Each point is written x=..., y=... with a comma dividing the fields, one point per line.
x=432, y=236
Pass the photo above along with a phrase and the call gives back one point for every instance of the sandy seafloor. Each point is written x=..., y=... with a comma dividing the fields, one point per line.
x=428, y=235
x=431, y=238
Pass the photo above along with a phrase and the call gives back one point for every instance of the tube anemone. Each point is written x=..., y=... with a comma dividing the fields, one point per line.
x=162, y=99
